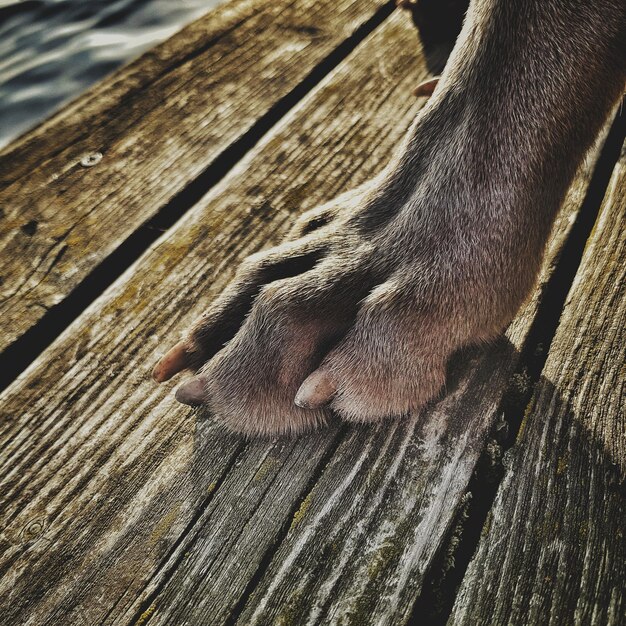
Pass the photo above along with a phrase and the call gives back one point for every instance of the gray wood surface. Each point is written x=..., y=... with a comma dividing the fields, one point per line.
x=103, y=475
x=119, y=506
x=372, y=524
x=157, y=125
x=553, y=550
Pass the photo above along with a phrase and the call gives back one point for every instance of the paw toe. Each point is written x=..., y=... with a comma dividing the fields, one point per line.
x=316, y=391
x=174, y=361
x=192, y=392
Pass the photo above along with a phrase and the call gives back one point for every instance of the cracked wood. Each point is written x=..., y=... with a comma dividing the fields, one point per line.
x=116, y=504
x=104, y=476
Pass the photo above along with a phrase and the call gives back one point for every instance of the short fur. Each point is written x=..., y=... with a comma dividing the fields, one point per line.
x=377, y=289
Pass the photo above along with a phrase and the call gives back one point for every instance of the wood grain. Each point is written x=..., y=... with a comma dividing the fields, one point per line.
x=553, y=550
x=117, y=505
x=358, y=544
x=375, y=519
x=103, y=475
x=75, y=188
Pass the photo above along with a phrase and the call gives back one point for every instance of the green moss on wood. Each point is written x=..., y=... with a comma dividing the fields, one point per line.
x=145, y=616
x=165, y=524
x=266, y=467
x=301, y=512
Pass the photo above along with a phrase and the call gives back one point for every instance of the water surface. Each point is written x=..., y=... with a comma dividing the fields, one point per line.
x=52, y=50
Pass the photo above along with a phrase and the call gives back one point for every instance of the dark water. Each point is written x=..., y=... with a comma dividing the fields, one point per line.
x=52, y=50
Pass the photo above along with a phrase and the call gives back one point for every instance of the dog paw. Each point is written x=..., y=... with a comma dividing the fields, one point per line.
x=356, y=314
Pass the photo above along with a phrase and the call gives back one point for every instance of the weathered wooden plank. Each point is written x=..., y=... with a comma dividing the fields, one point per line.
x=374, y=520
x=108, y=487
x=74, y=189
x=553, y=550
x=362, y=539
x=103, y=474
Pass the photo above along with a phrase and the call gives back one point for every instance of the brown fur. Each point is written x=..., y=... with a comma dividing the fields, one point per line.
x=375, y=291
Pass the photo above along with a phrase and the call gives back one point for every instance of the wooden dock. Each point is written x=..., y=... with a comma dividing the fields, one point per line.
x=503, y=504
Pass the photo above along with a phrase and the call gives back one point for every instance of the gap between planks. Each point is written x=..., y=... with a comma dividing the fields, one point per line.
x=37, y=324
x=84, y=430
x=356, y=437
x=552, y=550
x=166, y=607
x=459, y=547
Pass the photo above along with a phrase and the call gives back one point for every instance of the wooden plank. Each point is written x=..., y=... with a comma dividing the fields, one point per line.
x=359, y=543
x=103, y=475
x=115, y=503
x=375, y=519
x=553, y=550
x=75, y=188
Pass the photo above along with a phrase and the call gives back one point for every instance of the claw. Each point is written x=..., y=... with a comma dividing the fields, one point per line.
x=174, y=361
x=316, y=391
x=426, y=87
x=192, y=392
